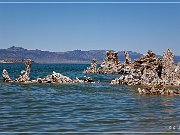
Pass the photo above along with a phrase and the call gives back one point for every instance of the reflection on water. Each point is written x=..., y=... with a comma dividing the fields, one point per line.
x=81, y=107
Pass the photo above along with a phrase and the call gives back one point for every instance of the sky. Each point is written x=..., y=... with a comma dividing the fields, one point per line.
x=71, y=26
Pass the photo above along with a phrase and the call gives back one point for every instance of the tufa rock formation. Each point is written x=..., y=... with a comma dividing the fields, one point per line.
x=53, y=78
x=152, y=70
x=23, y=77
x=61, y=79
x=127, y=58
x=111, y=64
x=25, y=74
x=93, y=67
x=5, y=76
x=155, y=72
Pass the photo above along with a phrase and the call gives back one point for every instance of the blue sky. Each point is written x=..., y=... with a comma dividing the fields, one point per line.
x=65, y=27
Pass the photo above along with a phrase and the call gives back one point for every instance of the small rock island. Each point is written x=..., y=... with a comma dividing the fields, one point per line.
x=154, y=75
x=57, y=78
x=153, y=72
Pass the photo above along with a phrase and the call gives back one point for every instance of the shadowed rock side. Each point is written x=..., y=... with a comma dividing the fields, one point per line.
x=24, y=77
x=151, y=70
x=111, y=64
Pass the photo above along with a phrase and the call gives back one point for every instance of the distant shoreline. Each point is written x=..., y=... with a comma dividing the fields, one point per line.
x=12, y=61
x=22, y=61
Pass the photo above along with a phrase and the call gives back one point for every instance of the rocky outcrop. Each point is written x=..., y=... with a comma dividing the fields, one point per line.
x=93, y=67
x=111, y=64
x=157, y=73
x=61, y=79
x=5, y=76
x=152, y=70
x=23, y=77
x=127, y=65
x=25, y=74
x=170, y=71
x=52, y=78
x=127, y=58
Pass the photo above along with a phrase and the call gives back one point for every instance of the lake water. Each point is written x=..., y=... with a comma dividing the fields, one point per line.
x=98, y=107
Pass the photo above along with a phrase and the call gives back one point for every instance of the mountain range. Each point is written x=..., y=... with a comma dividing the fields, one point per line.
x=76, y=56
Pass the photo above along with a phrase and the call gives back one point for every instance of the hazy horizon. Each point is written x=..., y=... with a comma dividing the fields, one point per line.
x=88, y=50
x=67, y=27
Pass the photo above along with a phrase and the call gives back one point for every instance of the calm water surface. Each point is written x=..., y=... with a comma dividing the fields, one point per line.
x=96, y=107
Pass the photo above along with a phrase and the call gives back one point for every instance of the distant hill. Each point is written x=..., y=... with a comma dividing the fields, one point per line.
x=76, y=56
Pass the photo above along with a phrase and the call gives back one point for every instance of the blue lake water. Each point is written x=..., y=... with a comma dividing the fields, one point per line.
x=98, y=107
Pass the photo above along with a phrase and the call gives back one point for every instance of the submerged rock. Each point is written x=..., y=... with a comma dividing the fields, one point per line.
x=157, y=91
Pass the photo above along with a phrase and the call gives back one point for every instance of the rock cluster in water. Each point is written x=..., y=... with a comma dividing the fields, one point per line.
x=111, y=64
x=61, y=79
x=24, y=77
x=151, y=70
x=158, y=91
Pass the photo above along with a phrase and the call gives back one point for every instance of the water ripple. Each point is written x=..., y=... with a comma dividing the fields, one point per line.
x=81, y=107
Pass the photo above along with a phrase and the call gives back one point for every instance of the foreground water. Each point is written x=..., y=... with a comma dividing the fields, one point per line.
x=98, y=107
